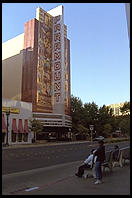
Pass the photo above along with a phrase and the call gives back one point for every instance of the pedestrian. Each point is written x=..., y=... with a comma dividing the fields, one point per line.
x=116, y=153
x=100, y=153
x=87, y=164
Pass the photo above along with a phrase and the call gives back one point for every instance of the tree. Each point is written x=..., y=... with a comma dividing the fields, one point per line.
x=83, y=130
x=104, y=117
x=90, y=113
x=36, y=127
x=107, y=130
x=124, y=124
x=126, y=108
x=76, y=112
x=76, y=107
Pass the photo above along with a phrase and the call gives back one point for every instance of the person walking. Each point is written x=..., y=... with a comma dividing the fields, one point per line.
x=100, y=153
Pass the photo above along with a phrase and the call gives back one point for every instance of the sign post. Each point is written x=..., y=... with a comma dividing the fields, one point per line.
x=91, y=129
x=7, y=114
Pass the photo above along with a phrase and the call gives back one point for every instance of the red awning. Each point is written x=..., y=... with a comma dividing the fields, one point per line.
x=14, y=127
x=26, y=128
x=4, y=129
x=20, y=126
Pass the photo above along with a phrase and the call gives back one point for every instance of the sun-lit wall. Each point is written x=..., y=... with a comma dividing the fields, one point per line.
x=12, y=57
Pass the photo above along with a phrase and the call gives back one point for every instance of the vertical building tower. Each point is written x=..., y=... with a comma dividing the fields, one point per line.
x=127, y=9
x=45, y=69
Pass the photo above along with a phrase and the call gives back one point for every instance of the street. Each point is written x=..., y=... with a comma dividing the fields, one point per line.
x=47, y=167
x=27, y=158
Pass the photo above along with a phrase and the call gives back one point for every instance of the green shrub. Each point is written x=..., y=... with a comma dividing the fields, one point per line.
x=114, y=140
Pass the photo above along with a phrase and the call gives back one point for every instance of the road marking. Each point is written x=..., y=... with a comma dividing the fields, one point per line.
x=53, y=182
x=30, y=189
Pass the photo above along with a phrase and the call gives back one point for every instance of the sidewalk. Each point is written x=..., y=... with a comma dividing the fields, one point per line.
x=61, y=180
x=44, y=143
x=41, y=143
x=118, y=183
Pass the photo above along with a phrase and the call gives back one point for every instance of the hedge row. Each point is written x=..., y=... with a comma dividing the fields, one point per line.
x=114, y=140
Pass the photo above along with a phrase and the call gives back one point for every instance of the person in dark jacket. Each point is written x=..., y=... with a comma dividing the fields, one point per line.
x=100, y=153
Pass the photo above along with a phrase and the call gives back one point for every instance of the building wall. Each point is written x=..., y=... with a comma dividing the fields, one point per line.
x=116, y=108
x=12, y=47
x=29, y=64
x=12, y=55
x=12, y=77
x=40, y=66
x=59, y=10
x=127, y=8
x=25, y=112
x=67, y=76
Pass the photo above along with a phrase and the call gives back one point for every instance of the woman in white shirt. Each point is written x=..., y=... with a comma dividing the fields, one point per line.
x=87, y=164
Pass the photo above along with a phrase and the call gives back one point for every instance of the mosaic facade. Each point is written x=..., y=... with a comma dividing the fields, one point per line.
x=46, y=64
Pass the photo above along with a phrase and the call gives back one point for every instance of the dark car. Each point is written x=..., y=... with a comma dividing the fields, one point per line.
x=98, y=138
x=51, y=139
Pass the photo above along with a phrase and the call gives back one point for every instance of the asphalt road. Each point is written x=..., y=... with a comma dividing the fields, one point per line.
x=22, y=159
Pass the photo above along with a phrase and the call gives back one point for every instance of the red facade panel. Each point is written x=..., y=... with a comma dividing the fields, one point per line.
x=26, y=129
x=20, y=126
x=14, y=127
x=29, y=73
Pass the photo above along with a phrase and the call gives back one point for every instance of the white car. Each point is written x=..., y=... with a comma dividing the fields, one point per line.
x=98, y=138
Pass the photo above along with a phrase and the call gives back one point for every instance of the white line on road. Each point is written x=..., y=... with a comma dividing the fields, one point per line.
x=30, y=189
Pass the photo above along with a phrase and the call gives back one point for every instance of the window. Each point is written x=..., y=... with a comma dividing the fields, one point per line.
x=117, y=110
x=25, y=137
x=13, y=137
x=19, y=137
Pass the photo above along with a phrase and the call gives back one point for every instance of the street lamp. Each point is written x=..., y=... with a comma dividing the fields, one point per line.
x=7, y=114
x=91, y=129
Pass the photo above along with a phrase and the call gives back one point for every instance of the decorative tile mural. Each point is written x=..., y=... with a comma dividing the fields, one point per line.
x=44, y=67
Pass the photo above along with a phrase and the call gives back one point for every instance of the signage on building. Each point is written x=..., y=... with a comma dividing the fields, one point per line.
x=58, y=57
x=11, y=109
x=51, y=65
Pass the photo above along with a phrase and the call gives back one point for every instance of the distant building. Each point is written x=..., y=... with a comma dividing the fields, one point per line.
x=127, y=9
x=36, y=69
x=116, y=108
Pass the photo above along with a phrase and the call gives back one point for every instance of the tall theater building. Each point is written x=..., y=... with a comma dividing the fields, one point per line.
x=36, y=69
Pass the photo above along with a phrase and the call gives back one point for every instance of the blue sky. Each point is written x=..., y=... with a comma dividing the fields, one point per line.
x=99, y=44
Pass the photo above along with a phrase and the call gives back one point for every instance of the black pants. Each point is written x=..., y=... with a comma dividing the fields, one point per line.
x=81, y=169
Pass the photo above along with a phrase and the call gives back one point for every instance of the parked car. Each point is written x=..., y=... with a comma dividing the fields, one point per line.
x=98, y=138
x=51, y=139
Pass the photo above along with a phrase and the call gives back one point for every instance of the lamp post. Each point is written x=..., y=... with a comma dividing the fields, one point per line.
x=7, y=115
x=91, y=129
